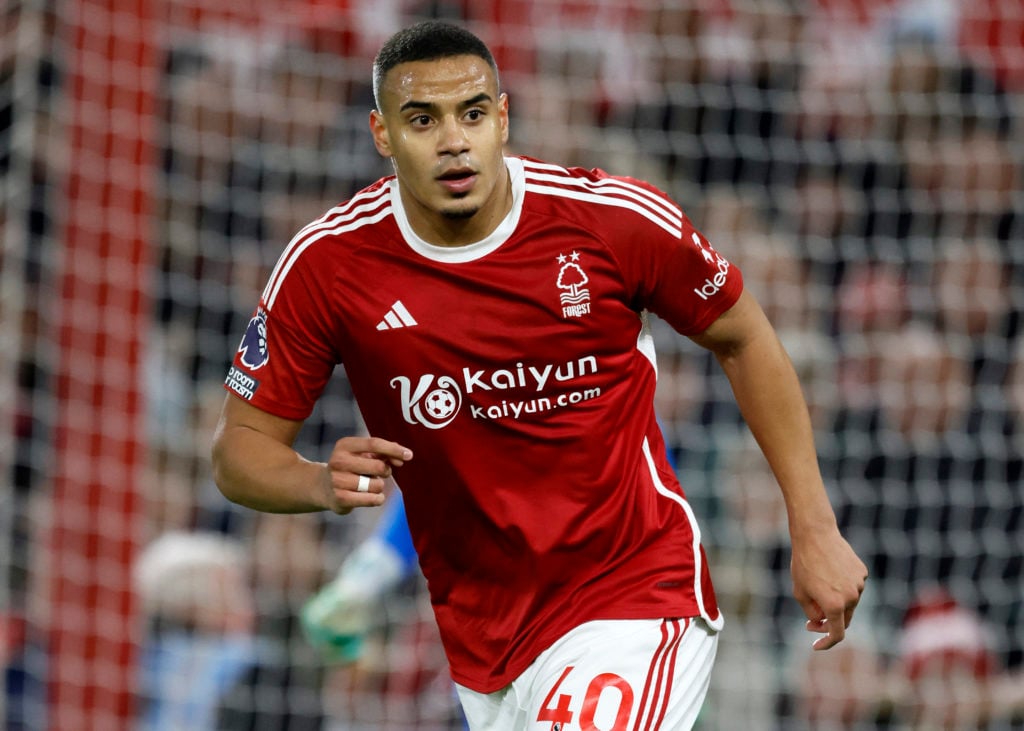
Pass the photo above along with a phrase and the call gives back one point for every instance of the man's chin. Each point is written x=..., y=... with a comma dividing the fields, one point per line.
x=460, y=213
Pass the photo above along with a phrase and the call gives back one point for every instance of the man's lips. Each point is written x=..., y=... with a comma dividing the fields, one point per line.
x=458, y=181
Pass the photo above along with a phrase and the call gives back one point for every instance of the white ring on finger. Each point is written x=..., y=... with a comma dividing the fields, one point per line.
x=364, y=484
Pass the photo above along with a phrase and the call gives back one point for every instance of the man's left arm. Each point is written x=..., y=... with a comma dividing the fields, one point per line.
x=828, y=577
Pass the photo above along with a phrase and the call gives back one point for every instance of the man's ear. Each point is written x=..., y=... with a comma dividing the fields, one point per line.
x=380, y=133
x=503, y=117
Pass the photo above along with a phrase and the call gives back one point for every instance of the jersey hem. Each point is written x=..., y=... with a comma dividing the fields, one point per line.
x=490, y=685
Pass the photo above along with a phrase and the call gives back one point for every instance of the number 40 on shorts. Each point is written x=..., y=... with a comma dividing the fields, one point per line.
x=559, y=709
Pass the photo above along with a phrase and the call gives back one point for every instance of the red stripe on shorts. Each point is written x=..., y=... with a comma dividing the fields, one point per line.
x=664, y=656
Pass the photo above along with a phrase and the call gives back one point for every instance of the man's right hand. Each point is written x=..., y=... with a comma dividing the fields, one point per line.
x=357, y=471
x=255, y=465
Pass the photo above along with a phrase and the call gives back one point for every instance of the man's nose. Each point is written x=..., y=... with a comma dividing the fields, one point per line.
x=453, y=139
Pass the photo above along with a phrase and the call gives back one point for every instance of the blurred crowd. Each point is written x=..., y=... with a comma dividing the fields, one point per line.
x=861, y=161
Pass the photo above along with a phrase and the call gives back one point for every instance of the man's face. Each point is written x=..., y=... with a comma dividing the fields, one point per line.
x=443, y=124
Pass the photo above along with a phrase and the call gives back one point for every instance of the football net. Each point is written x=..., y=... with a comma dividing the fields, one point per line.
x=859, y=160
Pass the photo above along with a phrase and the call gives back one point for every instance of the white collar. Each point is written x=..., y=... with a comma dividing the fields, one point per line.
x=478, y=249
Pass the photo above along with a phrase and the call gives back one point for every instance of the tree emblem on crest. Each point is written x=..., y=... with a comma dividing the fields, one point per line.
x=573, y=279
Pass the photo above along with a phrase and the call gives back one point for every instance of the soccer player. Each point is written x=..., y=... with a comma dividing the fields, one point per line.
x=490, y=313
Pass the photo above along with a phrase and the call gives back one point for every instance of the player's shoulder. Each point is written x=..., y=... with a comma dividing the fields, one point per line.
x=368, y=207
x=344, y=227
x=599, y=197
x=319, y=250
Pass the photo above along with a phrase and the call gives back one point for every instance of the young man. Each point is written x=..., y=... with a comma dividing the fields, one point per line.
x=490, y=314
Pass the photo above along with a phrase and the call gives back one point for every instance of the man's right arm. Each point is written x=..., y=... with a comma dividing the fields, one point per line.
x=255, y=465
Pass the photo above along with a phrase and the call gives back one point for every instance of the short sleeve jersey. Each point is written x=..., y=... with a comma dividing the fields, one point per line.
x=521, y=372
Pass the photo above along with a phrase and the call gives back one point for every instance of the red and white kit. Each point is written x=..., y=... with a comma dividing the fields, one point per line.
x=521, y=373
x=612, y=675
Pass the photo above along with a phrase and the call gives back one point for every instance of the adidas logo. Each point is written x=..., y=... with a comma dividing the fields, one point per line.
x=396, y=317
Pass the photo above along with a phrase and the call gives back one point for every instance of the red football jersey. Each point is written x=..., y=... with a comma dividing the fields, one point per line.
x=521, y=372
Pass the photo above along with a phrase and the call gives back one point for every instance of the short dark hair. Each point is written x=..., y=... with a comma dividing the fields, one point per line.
x=427, y=41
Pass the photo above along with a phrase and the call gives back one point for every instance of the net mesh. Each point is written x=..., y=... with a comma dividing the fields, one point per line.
x=859, y=160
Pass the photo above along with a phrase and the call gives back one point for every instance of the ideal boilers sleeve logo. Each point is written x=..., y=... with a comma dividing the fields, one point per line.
x=713, y=284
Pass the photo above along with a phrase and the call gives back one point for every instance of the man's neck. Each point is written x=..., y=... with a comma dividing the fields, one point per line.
x=453, y=231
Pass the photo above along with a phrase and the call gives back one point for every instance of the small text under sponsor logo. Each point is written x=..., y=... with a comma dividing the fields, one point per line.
x=242, y=383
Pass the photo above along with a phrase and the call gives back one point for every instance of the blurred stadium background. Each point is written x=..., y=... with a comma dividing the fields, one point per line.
x=860, y=160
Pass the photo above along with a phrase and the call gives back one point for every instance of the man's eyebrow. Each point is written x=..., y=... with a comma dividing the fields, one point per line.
x=428, y=106
x=478, y=99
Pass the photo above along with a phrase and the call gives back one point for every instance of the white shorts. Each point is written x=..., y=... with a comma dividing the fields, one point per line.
x=608, y=675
